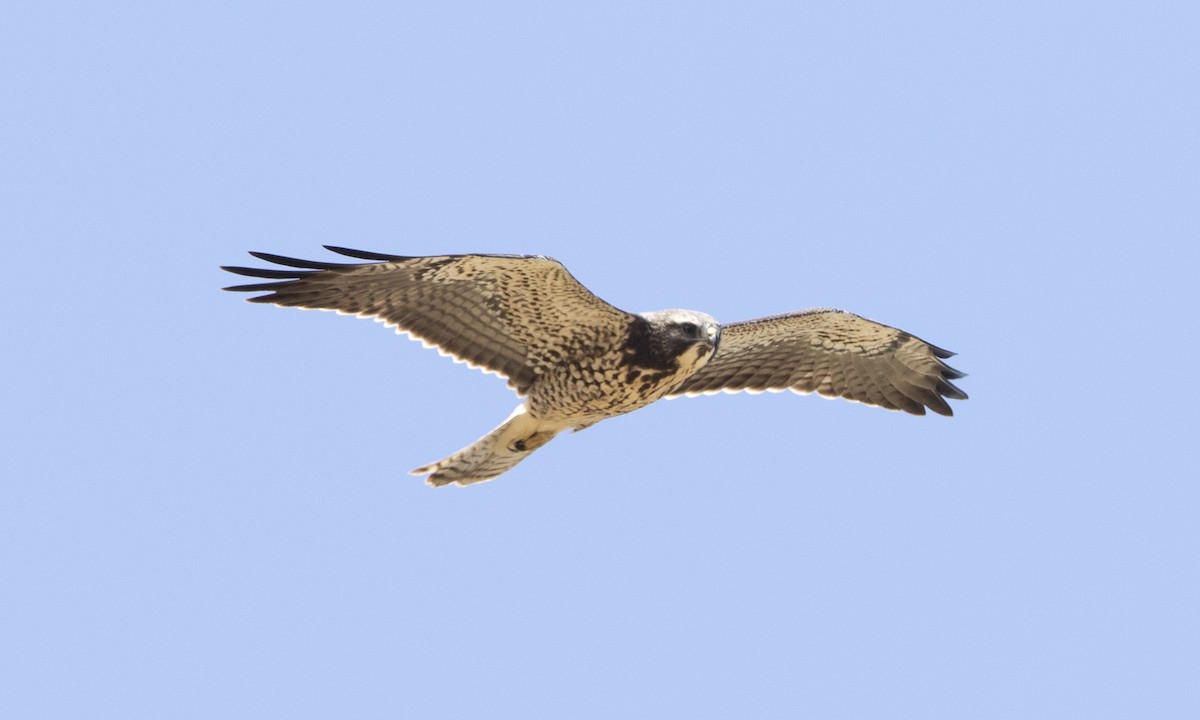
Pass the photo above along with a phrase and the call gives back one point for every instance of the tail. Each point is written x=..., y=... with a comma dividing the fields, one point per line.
x=494, y=453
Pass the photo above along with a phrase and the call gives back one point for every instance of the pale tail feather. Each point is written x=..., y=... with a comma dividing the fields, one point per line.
x=494, y=453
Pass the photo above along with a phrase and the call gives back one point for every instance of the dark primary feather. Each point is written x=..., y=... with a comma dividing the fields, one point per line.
x=833, y=353
x=367, y=255
x=494, y=311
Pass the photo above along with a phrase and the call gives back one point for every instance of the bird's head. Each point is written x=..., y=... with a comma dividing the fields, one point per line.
x=690, y=336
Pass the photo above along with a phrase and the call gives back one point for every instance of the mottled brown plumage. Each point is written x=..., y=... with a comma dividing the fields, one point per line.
x=577, y=359
x=833, y=353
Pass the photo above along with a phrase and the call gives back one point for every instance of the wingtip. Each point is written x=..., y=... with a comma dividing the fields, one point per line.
x=952, y=373
x=944, y=409
x=943, y=353
x=296, y=262
x=269, y=273
x=240, y=288
x=364, y=254
x=952, y=391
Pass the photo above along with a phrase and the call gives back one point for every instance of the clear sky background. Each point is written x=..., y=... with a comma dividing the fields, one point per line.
x=205, y=508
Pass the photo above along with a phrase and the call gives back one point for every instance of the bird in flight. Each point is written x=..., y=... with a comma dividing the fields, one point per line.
x=576, y=360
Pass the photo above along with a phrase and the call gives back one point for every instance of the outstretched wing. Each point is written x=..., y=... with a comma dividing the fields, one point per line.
x=504, y=313
x=834, y=353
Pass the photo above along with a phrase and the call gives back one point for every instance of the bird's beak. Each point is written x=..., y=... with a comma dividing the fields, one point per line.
x=713, y=333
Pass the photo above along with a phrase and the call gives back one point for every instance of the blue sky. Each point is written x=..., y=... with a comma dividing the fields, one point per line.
x=206, y=511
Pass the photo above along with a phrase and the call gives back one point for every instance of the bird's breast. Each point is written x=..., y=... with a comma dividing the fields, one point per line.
x=589, y=391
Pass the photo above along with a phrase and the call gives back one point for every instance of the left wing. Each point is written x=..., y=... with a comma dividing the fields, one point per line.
x=833, y=353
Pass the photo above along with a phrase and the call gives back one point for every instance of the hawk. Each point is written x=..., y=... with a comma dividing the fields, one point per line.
x=577, y=360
